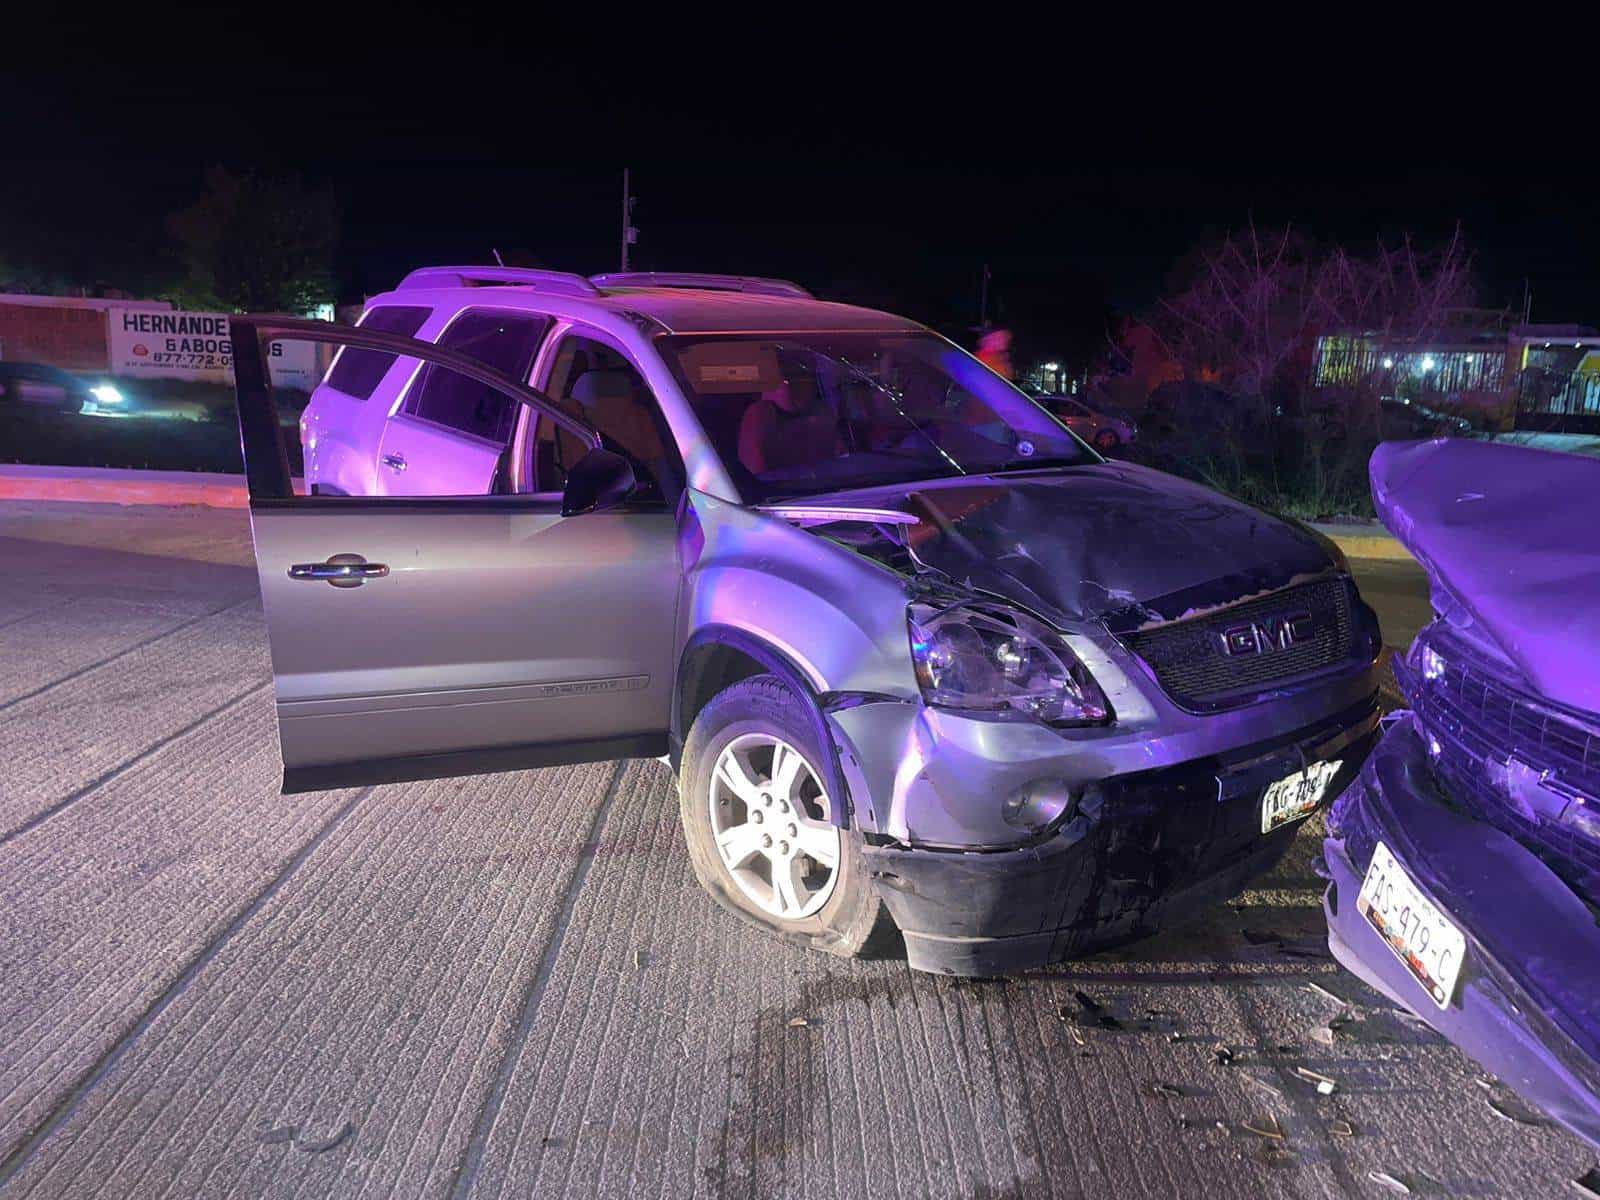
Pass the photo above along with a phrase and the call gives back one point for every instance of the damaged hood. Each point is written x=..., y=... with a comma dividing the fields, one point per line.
x=1087, y=541
x=1511, y=542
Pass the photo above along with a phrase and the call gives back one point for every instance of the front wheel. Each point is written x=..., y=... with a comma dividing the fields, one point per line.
x=759, y=821
x=1106, y=441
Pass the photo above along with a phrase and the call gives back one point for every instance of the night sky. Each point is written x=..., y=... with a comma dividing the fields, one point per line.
x=881, y=165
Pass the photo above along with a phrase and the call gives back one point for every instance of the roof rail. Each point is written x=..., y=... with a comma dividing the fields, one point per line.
x=560, y=282
x=710, y=283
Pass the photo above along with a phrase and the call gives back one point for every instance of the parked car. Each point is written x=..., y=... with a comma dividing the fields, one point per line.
x=1464, y=864
x=1105, y=431
x=1402, y=419
x=42, y=387
x=919, y=657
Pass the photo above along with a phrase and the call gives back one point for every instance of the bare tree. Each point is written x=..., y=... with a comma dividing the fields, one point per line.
x=1249, y=317
x=1248, y=312
x=1261, y=299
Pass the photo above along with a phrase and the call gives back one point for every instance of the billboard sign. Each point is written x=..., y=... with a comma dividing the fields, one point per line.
x=195, y=346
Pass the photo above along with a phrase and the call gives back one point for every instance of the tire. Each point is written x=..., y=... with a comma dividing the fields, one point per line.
x=1106, y=441
x=851, y=920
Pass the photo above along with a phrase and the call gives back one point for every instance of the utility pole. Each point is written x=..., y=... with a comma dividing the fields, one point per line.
x=630, y=235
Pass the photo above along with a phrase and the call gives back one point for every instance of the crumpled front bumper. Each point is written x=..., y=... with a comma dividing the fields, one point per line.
x=1140, y=851
x=1527, y=1003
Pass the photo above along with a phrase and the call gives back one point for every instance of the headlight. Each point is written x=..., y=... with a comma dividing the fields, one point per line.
x=106, y=394
x=989, y=658
x=1432, y=664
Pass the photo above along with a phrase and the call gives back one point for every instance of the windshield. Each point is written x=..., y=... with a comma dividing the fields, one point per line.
x=805, y=413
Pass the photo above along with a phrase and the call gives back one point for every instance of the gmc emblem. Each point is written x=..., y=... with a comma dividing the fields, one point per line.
x=1268, y=634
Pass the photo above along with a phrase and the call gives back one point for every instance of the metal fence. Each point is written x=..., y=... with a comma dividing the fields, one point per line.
x=1558, y=401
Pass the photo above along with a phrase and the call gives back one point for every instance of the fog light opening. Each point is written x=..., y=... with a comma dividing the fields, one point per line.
x=1037, y=805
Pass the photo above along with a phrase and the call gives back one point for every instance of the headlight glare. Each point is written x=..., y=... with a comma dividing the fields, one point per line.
x=988, y=658
x=1432, y=664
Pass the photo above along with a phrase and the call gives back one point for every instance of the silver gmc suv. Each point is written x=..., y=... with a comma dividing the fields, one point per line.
x=920, y=657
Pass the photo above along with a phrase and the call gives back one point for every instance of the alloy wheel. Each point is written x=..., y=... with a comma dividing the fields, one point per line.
x=770, y=822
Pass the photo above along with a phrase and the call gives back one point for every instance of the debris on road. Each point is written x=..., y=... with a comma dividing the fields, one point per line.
x=1385, y=1180
x=1345, y=990
x=1294, y=947
x=319, y=1147
x=1325, y=1085
x=1268, y=1128
x=1329, y=1033
x=276, y=1137
x=1264, y=1086
x=1170, y=1090
x=1340, y=1127
x=1509, y=1106
x=1223, y=1055
x=1092, y=1012
x=798, y=1022
x=1275, y=1155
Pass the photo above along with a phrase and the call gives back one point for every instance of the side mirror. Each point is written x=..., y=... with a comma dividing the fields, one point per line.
x=599, y=480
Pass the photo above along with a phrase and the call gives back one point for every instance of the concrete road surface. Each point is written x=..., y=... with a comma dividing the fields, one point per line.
x=511, y=986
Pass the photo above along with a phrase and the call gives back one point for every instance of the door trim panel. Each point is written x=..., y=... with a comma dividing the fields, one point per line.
x=487, y=761
x=503, y=693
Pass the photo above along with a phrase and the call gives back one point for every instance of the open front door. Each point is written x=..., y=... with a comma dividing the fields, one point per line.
x=436, y=634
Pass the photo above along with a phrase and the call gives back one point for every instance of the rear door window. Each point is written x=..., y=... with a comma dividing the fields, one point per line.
x=505, y=341
x=358, y=372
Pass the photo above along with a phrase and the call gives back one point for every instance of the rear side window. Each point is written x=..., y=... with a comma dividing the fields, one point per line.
x=358, y=372
x=505, y=341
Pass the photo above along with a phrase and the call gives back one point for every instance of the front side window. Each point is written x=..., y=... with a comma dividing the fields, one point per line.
x=597, y=384
x=505, y=341
x=806, y=413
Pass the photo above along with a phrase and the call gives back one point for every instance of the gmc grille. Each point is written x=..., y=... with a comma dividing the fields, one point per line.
x=1190, y=660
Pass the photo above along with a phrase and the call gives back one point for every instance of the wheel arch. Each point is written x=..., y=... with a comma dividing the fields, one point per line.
x=718, y=656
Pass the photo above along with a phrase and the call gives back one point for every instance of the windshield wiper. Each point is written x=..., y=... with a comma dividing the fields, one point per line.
x=1017, y=466
x=878, y=385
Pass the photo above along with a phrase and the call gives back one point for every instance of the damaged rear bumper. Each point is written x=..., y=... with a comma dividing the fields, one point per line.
x=1137, y=852
x=1527, y=1002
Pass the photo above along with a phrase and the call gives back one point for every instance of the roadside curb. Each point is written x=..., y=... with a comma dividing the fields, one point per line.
x=106, y=485
x=1361, y=540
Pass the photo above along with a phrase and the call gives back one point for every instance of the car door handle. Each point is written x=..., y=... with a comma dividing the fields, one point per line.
x=341, y=570
x=395, y=462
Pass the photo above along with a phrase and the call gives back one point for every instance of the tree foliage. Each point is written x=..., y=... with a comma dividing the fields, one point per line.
x=1241, y=326
x=1256, y=304
x=257, y=243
